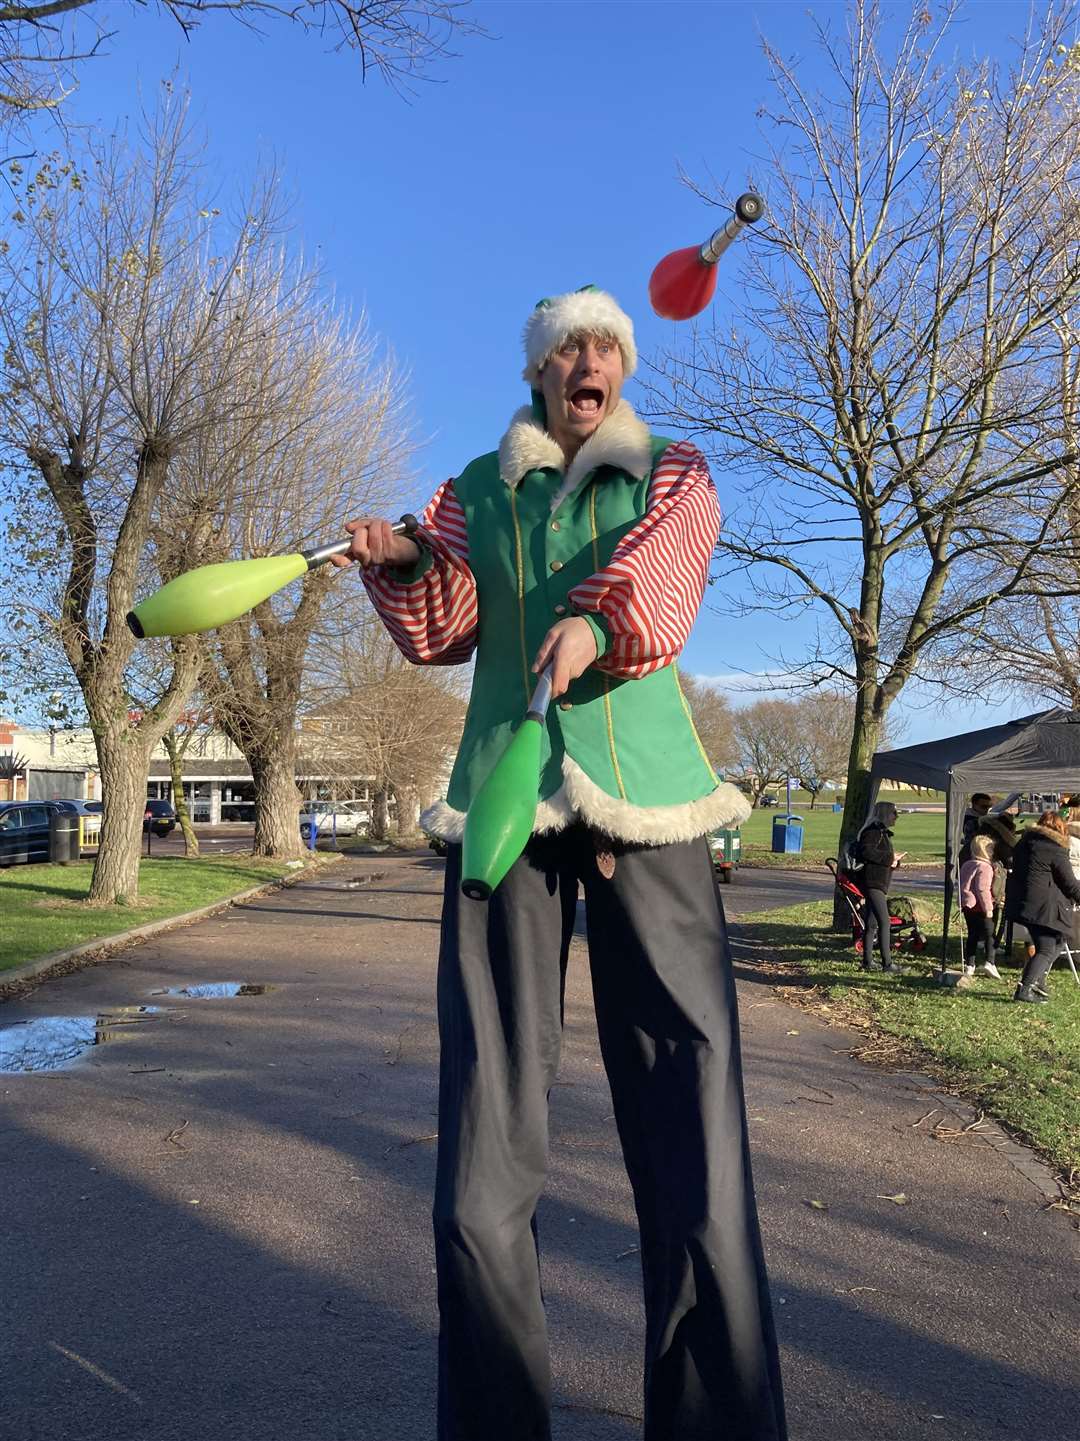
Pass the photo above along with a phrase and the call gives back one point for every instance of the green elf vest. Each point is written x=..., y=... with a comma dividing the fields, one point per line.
x=621, y=755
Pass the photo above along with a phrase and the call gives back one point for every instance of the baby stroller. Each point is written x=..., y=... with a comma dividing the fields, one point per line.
x=904, y=926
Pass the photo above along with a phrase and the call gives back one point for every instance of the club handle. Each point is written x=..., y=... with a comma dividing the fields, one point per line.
x=541, y=697
x=749, y=209
x=407, y=525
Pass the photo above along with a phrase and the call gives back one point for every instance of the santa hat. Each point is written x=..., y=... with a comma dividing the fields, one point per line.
x=579, y=312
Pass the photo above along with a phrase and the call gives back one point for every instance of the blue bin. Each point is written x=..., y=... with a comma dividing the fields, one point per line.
x=837, y=808
x=787, y=834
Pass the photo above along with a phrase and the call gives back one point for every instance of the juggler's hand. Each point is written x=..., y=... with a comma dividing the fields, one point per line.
x=570, y=649
x=374, y=543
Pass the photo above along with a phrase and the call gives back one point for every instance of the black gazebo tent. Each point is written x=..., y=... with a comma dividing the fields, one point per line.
x=1036, y=753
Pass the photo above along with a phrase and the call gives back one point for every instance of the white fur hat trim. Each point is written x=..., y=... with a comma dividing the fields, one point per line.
x=578, y=312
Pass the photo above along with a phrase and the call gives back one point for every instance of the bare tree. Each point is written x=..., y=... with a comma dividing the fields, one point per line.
x=378, y=716
x=192, y=724
x=891, y=383
x=767, y=736
x=821, y=739
x=315, y=436
x=43, y=43
x=713, y=720
x=132, y=312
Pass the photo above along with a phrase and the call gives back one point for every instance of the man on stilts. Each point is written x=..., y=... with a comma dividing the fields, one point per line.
x=584, y=543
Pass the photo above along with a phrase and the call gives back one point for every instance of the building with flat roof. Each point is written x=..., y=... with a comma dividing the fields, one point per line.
x=218, y=785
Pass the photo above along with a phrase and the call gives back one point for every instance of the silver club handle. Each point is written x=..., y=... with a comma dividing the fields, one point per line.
x=541, y=697
x=407, y=525
x=749, y=209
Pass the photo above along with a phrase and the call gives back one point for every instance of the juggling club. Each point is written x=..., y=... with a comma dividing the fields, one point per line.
x=684, y=282
x=500, y=819
x=213, y=595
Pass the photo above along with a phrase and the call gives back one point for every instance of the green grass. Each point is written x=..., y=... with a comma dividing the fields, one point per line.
x=922, y=836
x=1018, y=1063
x=44, y=908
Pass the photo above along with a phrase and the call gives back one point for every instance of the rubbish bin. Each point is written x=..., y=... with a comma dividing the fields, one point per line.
x=837, y=808
x=63, y=837
x=787, y=834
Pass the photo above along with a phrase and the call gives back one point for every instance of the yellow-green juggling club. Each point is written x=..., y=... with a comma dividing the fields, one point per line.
x=213, y=595
x=500, y=819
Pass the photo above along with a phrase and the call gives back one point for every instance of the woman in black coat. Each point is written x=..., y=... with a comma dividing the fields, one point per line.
x=1039, y=894
x=875, y=854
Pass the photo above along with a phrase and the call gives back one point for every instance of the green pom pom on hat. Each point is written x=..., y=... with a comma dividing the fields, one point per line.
x=588, y=311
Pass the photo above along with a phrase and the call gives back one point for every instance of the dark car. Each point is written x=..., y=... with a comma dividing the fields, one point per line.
x=159, y=817
x=24, y=830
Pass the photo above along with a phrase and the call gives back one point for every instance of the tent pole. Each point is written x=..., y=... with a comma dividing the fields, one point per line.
x=950, y=811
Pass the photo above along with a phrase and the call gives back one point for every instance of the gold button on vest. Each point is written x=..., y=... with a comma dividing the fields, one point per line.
x=566, y=705
x=560, y=610
x=556, y=565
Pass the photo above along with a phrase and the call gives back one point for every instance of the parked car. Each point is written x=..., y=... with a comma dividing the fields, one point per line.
x=159, y=817
x=328, y=818
x=24, y=830
x=79, y=808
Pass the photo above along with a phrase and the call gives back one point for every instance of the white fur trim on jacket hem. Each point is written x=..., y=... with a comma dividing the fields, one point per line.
x=580, y=799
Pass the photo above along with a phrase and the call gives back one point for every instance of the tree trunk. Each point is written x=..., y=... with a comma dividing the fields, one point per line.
x=408, y=810
x=866, y=735
x=277, y=806
x=176, y=780
x=379, y=813
x=124, y=761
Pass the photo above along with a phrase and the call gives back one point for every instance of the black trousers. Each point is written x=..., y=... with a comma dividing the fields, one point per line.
x=665, y=1009
x=878, y=926
x=1047, y=947
x=980, y=928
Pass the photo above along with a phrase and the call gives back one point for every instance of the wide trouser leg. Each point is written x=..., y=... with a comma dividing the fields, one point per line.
x=502, y=965
x=666, y=1013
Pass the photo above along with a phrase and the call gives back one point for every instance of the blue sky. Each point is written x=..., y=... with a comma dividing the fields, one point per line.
x=547, y=156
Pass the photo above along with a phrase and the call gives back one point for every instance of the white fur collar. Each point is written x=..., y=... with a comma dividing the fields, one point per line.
x=622, y=441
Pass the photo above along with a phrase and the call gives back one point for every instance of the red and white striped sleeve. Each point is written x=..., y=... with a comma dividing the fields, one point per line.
x=431, y=613
x=649, y=592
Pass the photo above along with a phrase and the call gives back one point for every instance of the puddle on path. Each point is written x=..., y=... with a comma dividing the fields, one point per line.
x=48, y=1043
x=211, y=990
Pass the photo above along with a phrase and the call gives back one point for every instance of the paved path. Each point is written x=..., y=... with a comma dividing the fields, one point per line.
x=217, y=1224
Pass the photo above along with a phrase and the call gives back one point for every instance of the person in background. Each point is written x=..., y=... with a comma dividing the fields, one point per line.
x=977, y=905
x=1040, y=894
x=1002, y=831
x=978, y=808
x=874, y=851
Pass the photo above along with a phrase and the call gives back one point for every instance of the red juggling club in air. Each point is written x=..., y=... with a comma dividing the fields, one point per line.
x=684, y=282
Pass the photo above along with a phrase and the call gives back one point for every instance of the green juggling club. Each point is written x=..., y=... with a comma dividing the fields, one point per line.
x=212, y=595
x=500, y=819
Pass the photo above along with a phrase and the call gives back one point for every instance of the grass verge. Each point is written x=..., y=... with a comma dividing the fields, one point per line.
x=44, y=908
x=1019, y=1063
x=921, y=836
